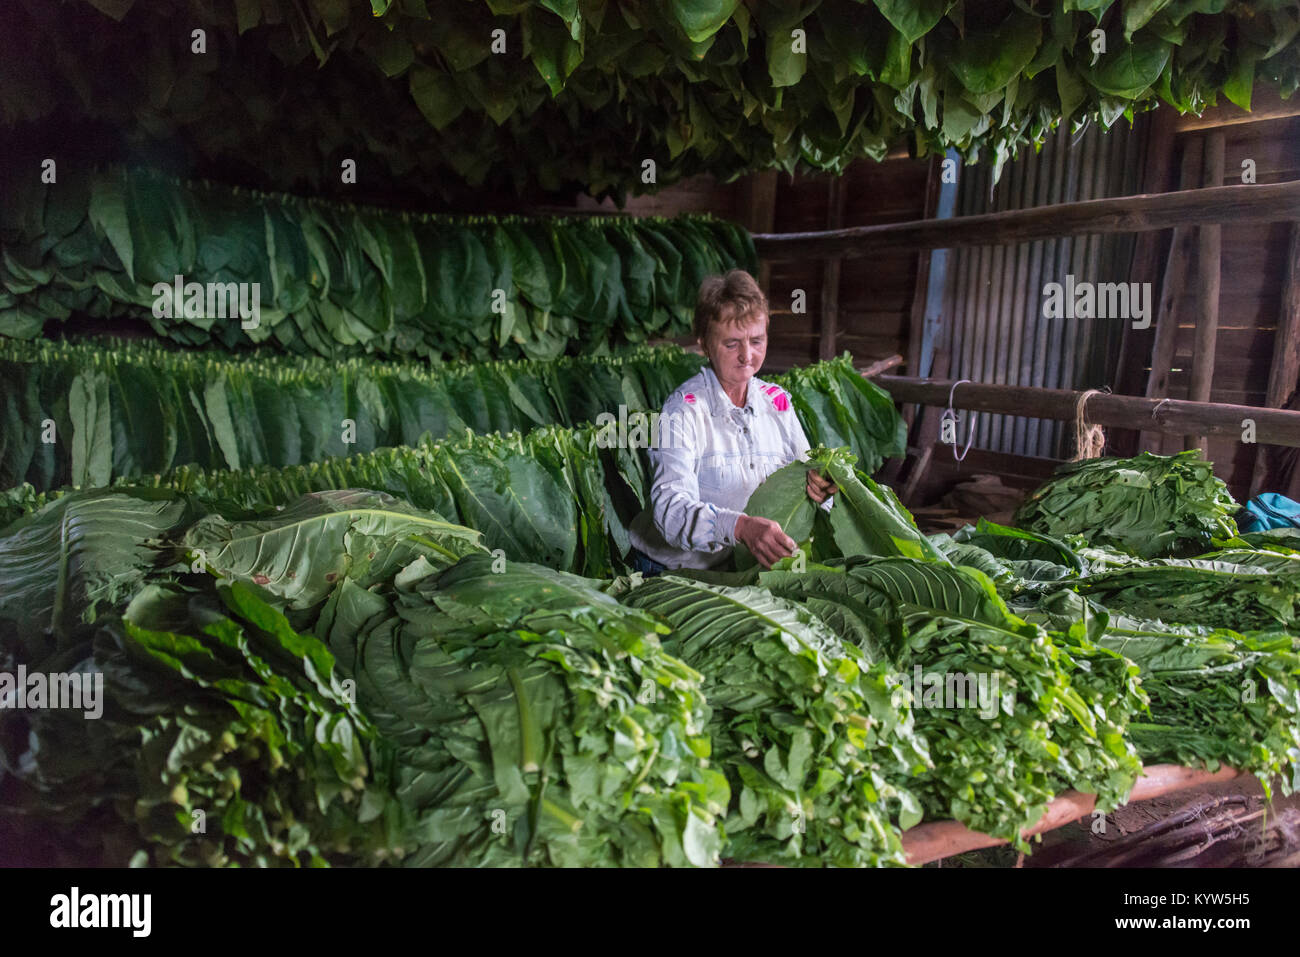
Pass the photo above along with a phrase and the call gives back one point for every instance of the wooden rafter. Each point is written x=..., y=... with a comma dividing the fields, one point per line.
x=1260, y=203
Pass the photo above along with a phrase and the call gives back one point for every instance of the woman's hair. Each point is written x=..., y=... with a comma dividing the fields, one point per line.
x=732, y=298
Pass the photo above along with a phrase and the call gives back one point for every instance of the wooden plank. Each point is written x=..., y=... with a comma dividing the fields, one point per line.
x=1266, y=104
x=1206, y=285
x=1169, y=416
x=1262, y=203
x=933, y=840
x=1285, y=371
x=830, y=304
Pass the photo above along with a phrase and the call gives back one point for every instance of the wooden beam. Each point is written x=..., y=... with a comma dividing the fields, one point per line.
x=1206, y=280
x=1285, y=370
x=1170, y=416
x=831, y=272
x=1259, y=203
x=1266, y=104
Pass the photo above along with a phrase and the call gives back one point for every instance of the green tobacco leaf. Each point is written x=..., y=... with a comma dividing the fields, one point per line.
x=305, y=550
x=1132, y=69
x=107, y=214
x=701, y=19
x=783, y=497
x=77, y=558
x=985, y=61
x=707, y=617
x=92, y=439
x=1137, y=13
x=784, y=64
x=437, y=95
x=867, y=518
x=526, y=589
x=943, y=591
x=913, y=18
x=1019, y=545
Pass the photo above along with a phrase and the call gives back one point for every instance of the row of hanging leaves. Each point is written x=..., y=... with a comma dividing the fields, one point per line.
x=581, y=93
x=338, y=279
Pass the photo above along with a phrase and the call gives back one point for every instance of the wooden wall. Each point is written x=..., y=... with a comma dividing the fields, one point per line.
x=1253, y=267
x=876, y=296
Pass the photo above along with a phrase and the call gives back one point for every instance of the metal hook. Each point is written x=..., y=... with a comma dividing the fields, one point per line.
x=1157, y=407
x=950, y=415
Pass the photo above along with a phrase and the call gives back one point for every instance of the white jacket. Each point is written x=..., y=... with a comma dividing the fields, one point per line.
x=710, y=458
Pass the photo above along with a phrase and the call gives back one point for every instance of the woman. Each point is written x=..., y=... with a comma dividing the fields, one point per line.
x=721, y=434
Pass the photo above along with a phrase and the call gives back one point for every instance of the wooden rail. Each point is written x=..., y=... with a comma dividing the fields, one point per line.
x=1260, y=203
x=1171, y=416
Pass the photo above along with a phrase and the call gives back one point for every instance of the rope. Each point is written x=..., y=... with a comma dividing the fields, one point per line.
x=1089, y=440
x=950, y=415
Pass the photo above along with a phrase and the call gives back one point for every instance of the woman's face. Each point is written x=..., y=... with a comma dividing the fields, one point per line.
x=736, y=350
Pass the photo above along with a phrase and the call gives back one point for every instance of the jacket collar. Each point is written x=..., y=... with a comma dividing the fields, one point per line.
x=720, y=402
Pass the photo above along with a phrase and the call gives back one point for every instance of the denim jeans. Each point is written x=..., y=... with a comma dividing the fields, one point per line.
x=646, y=565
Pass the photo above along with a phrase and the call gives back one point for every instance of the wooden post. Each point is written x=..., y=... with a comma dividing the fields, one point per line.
x=927, y=435
x=758, y=212
x=1282, y=377
x=1157, y=177
x=831, y=272
x=920, y=291
x=1207, y=279
x=1172, y=290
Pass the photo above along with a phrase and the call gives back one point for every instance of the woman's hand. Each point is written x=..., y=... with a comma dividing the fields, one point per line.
x=764, y=538
x=819, y=489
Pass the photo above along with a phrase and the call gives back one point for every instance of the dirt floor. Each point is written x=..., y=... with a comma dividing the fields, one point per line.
x=1222, y=825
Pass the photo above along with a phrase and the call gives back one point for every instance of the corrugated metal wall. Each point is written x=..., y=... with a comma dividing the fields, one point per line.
x=993, y=305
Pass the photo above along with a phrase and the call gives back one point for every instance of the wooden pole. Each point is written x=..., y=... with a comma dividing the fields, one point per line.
x=831, y=273
x=1260, y=203
x=1209, y=259
x=1285, y=371
x=1169, y=416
